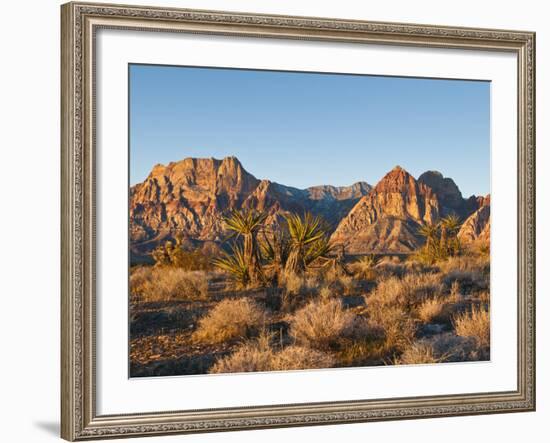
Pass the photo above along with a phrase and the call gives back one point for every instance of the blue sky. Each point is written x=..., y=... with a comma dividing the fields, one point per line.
x=304, y=129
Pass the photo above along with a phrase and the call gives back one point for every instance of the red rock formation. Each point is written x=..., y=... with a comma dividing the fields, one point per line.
x=388, y=218
x=190, y=197
x=477, y=227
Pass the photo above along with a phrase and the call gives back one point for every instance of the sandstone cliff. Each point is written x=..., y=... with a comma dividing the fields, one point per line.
x=388, y=218
x=190, y=197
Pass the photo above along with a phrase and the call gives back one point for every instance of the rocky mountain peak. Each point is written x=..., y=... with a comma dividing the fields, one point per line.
x=191, y=196
x=397, y=180
x=448, y=194
x=387, y=219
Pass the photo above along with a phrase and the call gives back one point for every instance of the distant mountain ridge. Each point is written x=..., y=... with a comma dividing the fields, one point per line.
x=191, y=196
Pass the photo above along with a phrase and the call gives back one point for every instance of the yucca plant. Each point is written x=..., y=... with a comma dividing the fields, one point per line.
x=246, y=224
x=235, y=264
x=450, y=245
x=430, y=251
x=275, y=249
x=308, y=242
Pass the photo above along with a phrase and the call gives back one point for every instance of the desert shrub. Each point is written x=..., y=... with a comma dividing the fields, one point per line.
x=396, y=324
x=363, y=352
x=431, y=309
x=445, y=347
x=139, y=277
x=252, y=356
x=468, y=281
x=295, y=284
x=230, y=319
x=300, y=357
x=325, y=292
x=258, y=355
x=348, y=284
x=417, y=353
x=484, y=297
x=364, y=268
x=390, y=267
x=407, y=291
x=453, y=348
x=176, y=254
x=465, y=263
x=167, y=283
x=321, y=323
x=475, y=324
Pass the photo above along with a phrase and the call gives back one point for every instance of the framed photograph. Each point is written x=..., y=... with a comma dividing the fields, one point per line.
x=283, y=221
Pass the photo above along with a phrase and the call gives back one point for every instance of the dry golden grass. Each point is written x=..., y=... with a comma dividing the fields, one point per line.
x=397, y=325
x=475, y=324
x=258, y=355
x=416, y=354
x=230, y=319
x=364, y=268
x=325, y=292
x=431, y=309
x=149, y=284
x=322, y=322
x=348, y=284
x=300, y=285
x=252, y=356
x=484, y=297
x=407, y=291
x=300, y=357
x=371, y=350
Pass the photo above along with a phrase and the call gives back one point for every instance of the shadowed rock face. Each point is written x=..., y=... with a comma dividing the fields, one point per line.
x=477, y=227
x=449, y=196
x=191, y=196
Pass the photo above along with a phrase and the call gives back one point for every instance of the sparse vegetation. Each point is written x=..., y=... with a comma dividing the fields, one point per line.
x=261, y=355
x=322, y=323
x=230, y=319
x=282, y=297
x=475, y=324
x=152, y=284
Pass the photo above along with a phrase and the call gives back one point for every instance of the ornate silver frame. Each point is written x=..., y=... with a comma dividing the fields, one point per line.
x=80, y=21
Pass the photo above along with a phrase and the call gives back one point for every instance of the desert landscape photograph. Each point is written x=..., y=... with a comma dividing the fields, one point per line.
x=284, y=221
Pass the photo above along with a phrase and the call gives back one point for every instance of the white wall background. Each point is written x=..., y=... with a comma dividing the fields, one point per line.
x=29, y=218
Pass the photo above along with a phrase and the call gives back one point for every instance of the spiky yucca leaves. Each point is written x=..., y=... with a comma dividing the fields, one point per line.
x=441, y=240
x=450, y=225
x=246, y=224
x=275, y=249
x=429, y=252
x=235, y=264
x=308, y=242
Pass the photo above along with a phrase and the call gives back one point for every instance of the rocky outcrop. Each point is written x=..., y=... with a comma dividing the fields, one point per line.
x=477, y=227
x=388, y=218
x=449, y=196
x=191, y=196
